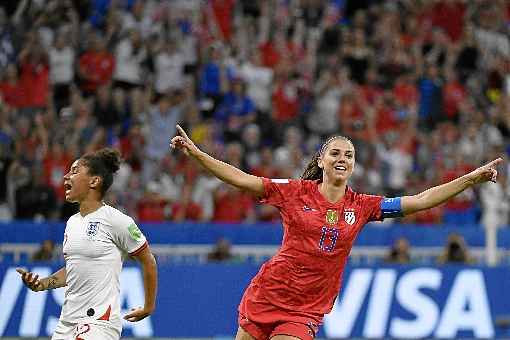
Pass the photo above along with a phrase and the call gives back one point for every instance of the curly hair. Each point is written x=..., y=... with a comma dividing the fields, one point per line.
x=103, y=163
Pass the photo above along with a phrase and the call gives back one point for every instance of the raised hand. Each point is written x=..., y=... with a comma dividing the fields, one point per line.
x=485, y=173
x=184, y=143
x=30, y=280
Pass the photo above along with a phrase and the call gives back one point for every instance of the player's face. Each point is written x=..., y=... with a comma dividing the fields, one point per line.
x=77, y=182
x=337, y=162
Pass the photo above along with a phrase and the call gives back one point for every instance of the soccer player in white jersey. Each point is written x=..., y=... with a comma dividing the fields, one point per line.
x=96, y=240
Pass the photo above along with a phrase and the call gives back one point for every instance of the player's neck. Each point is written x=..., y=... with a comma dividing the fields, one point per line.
x=88, y=206
x=332, y=192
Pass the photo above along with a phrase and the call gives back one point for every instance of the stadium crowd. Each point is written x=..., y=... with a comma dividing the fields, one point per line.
x=421, y=87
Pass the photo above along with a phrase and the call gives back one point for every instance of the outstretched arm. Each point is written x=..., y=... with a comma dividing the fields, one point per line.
x=32, y=281
x=225, y=172
x=441, y=193
x=150, y=285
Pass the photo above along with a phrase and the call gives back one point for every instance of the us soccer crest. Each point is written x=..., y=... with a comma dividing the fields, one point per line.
x=349, y=217
x=92, y=229
x=332, y=217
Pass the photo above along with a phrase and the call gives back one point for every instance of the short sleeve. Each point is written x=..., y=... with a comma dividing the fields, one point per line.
x=276, y=191
x=127, y=235
x=372, y=207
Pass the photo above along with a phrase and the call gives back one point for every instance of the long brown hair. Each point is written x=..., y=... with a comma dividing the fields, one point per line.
x=312, y=170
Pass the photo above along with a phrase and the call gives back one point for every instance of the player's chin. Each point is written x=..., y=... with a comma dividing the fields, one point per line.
x=70, y=199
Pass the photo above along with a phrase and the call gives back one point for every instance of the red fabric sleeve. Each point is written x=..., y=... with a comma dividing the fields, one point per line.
x=372, y=207
x=276, y=191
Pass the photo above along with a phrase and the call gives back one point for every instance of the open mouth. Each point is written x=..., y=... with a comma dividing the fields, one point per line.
x=67, y=188
x=340, y=168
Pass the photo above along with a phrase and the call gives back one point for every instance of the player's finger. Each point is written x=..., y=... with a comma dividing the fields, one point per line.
x=494, y=175
x=21, y=271
x=34, y=279
x=493, y=163
x=181, y=131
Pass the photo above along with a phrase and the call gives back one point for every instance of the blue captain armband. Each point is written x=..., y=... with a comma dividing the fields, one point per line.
x=391, y=207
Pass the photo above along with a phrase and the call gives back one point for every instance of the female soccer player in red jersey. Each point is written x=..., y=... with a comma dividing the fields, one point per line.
x=321, y=216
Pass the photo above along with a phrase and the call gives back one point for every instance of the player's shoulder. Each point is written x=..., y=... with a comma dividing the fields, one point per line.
x=114, y=216
x=297, y=185
x=362, y=197
x=73, y=218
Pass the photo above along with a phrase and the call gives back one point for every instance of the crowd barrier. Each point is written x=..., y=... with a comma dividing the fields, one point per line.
x=374, y=234
x=200, y=301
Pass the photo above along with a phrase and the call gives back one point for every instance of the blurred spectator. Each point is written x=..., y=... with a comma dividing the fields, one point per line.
x=34, y=72
x=46, y=252
x=169, y=68
x=184, y=209
x=399, y=252
x=258, y=79
x=96, y=65
x=455, y=251
x=35, y=200
x=161, y=122
x=235, y=111
x=494, y=199
x=221, y=252
x=61, y=60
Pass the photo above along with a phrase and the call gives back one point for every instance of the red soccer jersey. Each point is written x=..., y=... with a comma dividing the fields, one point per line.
x=306, y=273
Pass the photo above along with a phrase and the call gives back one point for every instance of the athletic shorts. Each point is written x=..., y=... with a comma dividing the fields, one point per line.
x=84, y=331
x=263, y=320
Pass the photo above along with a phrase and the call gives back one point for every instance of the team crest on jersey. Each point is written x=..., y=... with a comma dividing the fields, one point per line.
x=92, y=229
x=349, y=217
x=331, y=217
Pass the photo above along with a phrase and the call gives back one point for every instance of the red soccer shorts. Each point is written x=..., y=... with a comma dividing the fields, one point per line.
x=263, y=320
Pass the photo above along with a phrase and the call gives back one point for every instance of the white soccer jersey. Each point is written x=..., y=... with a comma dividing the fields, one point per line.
x=94, y=248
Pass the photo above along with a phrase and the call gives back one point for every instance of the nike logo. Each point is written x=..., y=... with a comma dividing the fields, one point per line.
x=307, y=208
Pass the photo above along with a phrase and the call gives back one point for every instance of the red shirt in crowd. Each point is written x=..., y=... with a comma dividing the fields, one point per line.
x=285, y=101
x=450, y=17
x=222, y=10
x=232, y=206
x=13, y=94
x=453, y=94
x=34, y=79
x=55, y=167
x=98, y=66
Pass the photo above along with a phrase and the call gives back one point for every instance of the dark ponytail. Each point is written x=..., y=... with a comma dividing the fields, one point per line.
x=313, y=171
x=103, y=163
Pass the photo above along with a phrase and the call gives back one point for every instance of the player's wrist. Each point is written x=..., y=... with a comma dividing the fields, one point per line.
x=149, y=308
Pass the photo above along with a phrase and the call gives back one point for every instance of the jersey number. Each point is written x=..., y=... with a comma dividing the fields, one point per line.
x=328, y=239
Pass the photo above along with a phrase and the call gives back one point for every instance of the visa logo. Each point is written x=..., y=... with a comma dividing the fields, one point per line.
x=372, y=302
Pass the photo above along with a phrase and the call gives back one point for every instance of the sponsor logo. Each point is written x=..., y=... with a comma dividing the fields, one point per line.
x=29, y=314
x=406, y=305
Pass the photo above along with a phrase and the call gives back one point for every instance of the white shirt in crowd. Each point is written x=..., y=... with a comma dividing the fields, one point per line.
x=258, y=80
x=94, y=248
x=61, y=65
x=128, y=62
x=169, y=71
